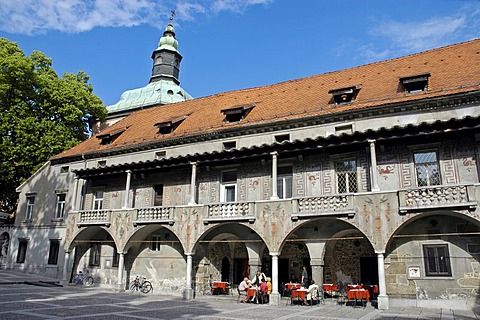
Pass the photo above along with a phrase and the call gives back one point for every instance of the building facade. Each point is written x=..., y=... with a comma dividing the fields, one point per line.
x=367, y=175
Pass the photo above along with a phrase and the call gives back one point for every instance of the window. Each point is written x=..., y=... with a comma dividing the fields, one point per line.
x=169, y=126
x=346, y=171
x=237, y=113
x=53, y=253
x=95, y=249
x=426, y=168
x=158, y=198
x=98, y=200
x=345, y=95
x=160, y=155
x=60, y=207
x=415, y=84
x=229, y=145
x=229, y=186
x=282, y=137
x=102, y=163
x=108, y=138
x=155, y=243
x=437, y=261
x=22, y=250
x=65, y=169
x=284, y=182
x=115, y=258
x=29, y=211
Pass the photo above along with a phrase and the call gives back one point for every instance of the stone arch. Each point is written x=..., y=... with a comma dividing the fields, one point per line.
x=237, y=242
x=157, y=253
x=434, y=255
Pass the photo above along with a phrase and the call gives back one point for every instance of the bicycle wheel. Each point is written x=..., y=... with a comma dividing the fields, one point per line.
x=133, y=286
x=88, y=281
x=146, y=287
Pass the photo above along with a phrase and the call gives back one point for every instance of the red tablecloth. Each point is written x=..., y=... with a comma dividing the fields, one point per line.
x=251, y=293
x=354, y=286
x=329, y=287
x=353, y=294
x=220, y=284
x=298, y=294
x=291, y=286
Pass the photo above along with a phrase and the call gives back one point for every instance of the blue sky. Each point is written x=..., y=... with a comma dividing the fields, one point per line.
x=230, y=44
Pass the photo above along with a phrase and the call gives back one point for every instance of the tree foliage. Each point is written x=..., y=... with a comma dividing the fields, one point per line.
x=41, y=115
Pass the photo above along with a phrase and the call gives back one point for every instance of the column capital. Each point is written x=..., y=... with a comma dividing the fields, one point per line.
x=274, y=254
x=378, y=252
x=371, y=140
x=274, y=153
x=193, y=163
x=128, y=171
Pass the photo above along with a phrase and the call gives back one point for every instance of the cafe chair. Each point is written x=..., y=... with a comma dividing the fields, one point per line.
x=262, y=297
x=240, y=294
x=359, y=297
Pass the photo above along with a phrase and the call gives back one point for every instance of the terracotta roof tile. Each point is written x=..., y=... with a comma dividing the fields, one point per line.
x=453, y=69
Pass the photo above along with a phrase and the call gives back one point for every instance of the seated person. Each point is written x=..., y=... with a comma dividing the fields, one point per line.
x=313, y=292
x=243, y=287
x=293, y=278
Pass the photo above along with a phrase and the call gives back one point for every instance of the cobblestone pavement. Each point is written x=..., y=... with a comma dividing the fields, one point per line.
x=38, y=300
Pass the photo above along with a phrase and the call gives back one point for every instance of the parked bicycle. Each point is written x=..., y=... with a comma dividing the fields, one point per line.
x=83, y=278
x=141, y=284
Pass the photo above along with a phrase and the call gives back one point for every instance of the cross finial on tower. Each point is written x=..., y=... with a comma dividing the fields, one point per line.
x=172, y=15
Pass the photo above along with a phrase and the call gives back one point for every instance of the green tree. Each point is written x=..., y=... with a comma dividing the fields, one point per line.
x=41, y=115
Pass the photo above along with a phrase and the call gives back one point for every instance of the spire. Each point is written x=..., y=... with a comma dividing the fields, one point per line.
x=166, y=58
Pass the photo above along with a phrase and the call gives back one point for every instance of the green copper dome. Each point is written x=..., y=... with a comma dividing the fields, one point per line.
x=168, y=40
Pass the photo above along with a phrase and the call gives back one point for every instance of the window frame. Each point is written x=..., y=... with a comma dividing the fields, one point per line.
x=98, y=201
x=60, y=205
x=29, y=207
x=425, y=166
x=227, y=185
x=53, y=252
x=22, y=250
x=436, y=259
x=155, y=243
x=95, y=254
x=282, y=192
x=348, y=185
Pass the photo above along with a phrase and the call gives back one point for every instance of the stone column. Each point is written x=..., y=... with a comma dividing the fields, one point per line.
x=66, y=262
x=188, y=292
x=274, y=295
x=317, y=270
x=382, y=288
x=121, y=263
x=192, y=183
x=373, y=161
x=75, y=194
x=274, y=176
x=127, y=189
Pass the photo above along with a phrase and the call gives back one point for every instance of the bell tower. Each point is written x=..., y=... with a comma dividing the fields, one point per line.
x=166, y=58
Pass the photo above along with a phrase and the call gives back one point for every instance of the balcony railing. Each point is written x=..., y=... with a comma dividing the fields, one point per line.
x=435, y=197
x=230, y=211
x=154, y=215
x=94, y=217
x=324, y=205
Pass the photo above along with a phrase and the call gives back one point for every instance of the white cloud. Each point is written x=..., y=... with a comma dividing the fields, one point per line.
x=40, y=16
x=401, y=38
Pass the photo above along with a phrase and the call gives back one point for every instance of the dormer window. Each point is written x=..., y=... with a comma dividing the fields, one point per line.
x=109, y=137
x=415, y=84
x=345, y=95
x=169, y=126
x=237, y=113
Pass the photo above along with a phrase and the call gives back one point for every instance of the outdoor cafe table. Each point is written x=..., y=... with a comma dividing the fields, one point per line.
x=298, y=294
x=220, y=285
x=330, y=288
x=353, y=294
x=251, y=293
x=291, y=286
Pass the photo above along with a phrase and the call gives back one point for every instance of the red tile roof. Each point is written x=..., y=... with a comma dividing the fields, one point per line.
x=453, y=69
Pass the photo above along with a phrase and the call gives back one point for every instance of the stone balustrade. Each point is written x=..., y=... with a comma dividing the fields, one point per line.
x=435, y=196
x=154, y=214
x=89, y=217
